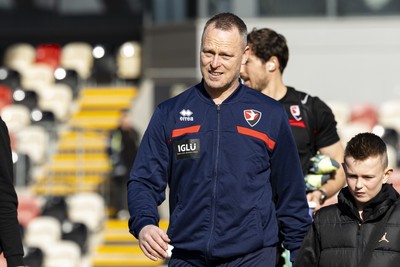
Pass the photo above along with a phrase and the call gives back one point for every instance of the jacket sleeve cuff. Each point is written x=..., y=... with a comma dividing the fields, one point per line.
x=142, y=223
x=15, y=260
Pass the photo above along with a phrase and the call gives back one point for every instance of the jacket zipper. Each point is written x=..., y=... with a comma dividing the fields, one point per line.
x=214, y=189
x=359, y=243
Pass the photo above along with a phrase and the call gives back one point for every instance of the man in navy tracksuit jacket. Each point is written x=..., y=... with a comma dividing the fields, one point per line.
x=234, y=174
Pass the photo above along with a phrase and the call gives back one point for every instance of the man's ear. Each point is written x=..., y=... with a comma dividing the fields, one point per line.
x=271, y=66
x=245, y=54
x=387, y=174
x=272, y=63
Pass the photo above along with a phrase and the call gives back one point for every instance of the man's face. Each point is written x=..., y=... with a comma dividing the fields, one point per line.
x=254, y=72
x=365, y=178
x=221, y=55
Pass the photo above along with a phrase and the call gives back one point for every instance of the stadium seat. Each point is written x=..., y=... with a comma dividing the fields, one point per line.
x=56, y=206
x=36, y=77
x=28, y=209
x=94, y=163
x=5, y=96
x=22, y=169
x=391, y=137
x=88, y=208
x=16, y=116
x=364, y=113
x=76, y=232
x=111, y=98
x=129, y=60
x=48, y=54
x=77, y=56
x=45, y=118
x=19, y=56
x=33, y=140
x=42, y=232
x=71, y=78
x=73, y=141
x=103, y=71
x=34, y=257
x=57, y=98
x=10, y=77
x=351, y=129
x=95, y=119
x=63, y=253
x=341, y=110
x=27, y=98
x=389, y=114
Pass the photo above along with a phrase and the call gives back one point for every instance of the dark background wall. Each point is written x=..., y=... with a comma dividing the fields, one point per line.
x=109, y=22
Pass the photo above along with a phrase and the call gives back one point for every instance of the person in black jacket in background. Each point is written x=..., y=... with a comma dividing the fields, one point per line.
x=122, y=148
x=10, y=236
x=340, y=232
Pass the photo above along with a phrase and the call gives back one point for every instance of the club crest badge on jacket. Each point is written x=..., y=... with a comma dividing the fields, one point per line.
x=252, y=116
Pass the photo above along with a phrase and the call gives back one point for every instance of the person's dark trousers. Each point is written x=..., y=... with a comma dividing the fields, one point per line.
x=262, y=258
x=280, y=260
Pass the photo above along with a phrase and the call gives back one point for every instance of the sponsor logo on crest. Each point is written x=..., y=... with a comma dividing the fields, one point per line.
x=252, y=116
x=186, y=115
x=295, y=111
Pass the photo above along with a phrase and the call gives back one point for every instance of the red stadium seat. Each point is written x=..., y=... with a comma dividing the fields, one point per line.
x=28, y=209
x=5, y=96
x=48, y=54
x=365, y=113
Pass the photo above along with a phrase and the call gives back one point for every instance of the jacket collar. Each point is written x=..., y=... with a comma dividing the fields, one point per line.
x=206, y=97
x=373, y=208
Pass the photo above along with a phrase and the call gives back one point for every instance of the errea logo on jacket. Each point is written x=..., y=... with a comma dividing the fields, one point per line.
x=186, y=115
x=252, y=116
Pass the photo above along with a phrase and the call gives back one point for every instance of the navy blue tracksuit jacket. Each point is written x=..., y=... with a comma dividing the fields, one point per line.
x=233, y=171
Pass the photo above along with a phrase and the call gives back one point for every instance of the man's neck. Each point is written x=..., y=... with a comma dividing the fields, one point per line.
x=275, y=89
x=220, y=95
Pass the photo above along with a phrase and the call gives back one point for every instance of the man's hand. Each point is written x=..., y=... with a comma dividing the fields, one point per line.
x=153, y=242
x=314, y=197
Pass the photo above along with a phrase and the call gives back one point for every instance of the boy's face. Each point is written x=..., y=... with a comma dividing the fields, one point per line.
x=365, y=178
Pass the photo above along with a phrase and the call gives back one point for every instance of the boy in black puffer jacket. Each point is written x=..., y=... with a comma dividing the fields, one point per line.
x=356, y=232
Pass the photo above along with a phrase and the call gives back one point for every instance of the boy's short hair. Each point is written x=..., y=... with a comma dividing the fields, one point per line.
x=365, y=145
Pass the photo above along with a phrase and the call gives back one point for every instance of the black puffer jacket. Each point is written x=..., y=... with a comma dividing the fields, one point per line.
x=338, y=236
x=10, y=239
